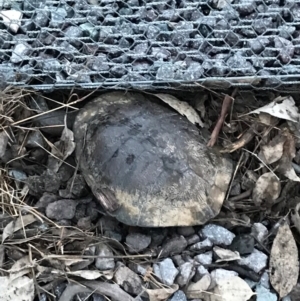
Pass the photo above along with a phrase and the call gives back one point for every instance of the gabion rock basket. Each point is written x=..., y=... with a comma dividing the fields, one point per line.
x=149, y=44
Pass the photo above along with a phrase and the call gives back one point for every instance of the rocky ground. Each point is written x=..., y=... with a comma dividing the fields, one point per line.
x=59, y=244
x=64, y=42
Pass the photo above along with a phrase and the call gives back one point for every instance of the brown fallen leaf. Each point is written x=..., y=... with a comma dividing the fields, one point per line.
x=280, y=107
x=181, y=107
x=284, y=263
x=161, y=294
x=62, y=149
x=16, y=225
x=267, y=190
x=273, y=151
x=231, y=289
x=285, y=166
x=20, y=268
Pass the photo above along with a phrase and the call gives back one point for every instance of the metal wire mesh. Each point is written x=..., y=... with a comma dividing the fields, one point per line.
x=148, y=44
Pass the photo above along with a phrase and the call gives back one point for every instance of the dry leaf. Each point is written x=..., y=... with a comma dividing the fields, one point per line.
x=161, y=294
x=285, y=166
x=273, y=151
x=16, y=225
x=20, y=268
x=281, y=107
x=284, y=263
x=86, y=274
x=63, y=148
x=181, y=107
x=231, y=289
x=267, y=189
x=226, y=255
x=195, y=290
x=20, y=289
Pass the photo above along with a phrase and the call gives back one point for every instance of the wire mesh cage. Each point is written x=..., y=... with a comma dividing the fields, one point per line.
x=149, y=44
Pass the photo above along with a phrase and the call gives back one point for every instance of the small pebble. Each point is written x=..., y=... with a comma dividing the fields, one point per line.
x=265, y=280
x=185, y=231
x=264, y=294
x=218, y=275
x=200, y=272
x=34, y=139
x=178, y=296
x=193, y=239
x=12, y=19
x=104, y=263
x=205, y=258
x=257, y=261
x=173, y=246
x=218, y=235
x=45, y=200
x=204, y=245
x=259, y=231
x=141, y=48
x=84, y=223
x=58, y=15
x=72, y=33
x=137, y=242
x=41, y=18
x=129, y=280
x=18, y=175
x=244, y=244
x=62, y=209
x=178, y=260
x=186, y=272
x=166, y=271
x=138, y=268
x=20, y=52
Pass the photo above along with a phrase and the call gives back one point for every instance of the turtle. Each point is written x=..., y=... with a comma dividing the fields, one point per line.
x=146, y=164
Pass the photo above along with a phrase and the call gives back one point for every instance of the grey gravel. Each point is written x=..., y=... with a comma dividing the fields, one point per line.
x=19, y=53
x=128, y=280
x=244, y=244
x=178, y=296
x=217, y=234
x=62, y=209
x=18, y=175
x=265, y=280
x=173, y=246
x=186, y=272
x=84, y=223
x=206, y=244
x=137, y=242
x=264, y=294
x=58, y=16
x=35, y=139
x=73, y=33
x=166, y=271
x=193, y=239
x=186, y=231
x=256, y=261
x=42, y=17
x=218, y=275
x=205, y=258
x=178, y=260
x=259, y=232
x=45, y=200
x=200, y=272
x=104, y=263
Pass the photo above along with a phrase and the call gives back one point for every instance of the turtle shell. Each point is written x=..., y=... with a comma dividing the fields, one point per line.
x=148, y=165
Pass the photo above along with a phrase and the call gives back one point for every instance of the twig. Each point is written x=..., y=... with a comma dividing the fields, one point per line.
x=226, y=104
x=255, y=155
